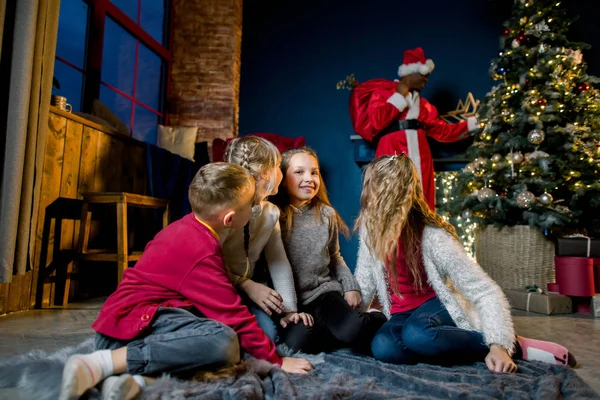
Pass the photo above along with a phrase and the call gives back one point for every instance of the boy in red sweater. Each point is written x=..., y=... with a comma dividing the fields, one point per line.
x=177, y=311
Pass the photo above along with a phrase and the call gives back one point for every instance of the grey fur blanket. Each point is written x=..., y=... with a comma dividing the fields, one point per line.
x=342, y=375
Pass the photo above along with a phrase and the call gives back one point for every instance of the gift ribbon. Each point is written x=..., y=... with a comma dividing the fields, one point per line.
x=589, y=241
x=530, y=290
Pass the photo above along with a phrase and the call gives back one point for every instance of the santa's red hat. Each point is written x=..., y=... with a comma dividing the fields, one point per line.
x=415, y=63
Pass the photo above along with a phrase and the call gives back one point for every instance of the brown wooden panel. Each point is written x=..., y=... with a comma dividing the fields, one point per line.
x=114, y=172
x=87, y=165
x=4, y=297
x=50, y=190
x=68, y=189
x=14, y=294
x=103, y=148
x=137, y=157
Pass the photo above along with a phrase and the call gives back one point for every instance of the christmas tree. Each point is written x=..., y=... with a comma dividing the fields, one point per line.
x=536, y=159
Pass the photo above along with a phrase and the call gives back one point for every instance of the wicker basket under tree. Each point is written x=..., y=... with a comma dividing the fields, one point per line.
x=515, y=256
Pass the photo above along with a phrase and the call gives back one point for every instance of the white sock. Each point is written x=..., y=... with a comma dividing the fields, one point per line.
x=83, y=372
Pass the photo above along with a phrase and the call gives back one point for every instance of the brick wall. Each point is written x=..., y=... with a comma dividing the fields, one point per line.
x=205, y=76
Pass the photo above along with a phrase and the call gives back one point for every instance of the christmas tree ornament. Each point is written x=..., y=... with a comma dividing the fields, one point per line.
x=485, y=194
x=536, y=136
x=515, y=158
x=506, y=33
x=467, y=213
x=545, y=199
x=505, y=113
x=525, y=199
x=501, y=70
x=497, y=158
x=583, y=87
x=542, y=102
x=523, y=20
x=521, y=37
x=470, y=168
x=515, y=43
x=480, y=162
x=543, y=48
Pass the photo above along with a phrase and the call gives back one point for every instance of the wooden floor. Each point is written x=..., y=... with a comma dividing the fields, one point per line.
x=52, y=329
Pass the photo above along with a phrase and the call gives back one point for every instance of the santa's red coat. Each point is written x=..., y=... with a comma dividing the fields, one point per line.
x=386, y=105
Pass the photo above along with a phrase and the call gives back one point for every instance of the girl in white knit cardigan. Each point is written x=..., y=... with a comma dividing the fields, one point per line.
x=443, y=308
x=242, y=247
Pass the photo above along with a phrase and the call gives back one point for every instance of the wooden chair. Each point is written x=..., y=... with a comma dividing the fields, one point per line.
x=121, y=200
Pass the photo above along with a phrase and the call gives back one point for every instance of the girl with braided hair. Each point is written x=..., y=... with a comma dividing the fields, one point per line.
x=242, y=247
x=443, y=308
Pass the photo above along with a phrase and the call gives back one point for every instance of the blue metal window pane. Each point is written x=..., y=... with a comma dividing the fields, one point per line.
x=119, y=105
x=152, y=18
x=118, y=57
x=129, y=7
x=71, y=82
x=72, y=31
x=148, y=89
x=145, y=126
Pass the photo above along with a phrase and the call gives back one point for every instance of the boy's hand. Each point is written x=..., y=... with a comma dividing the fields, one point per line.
x=498, y=360
x=296, y=365
x=265, y=297
x=295, y=317
x=353, y=298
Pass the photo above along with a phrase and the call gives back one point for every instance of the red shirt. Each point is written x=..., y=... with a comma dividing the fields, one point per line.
x=181, y=267
x=410, y=298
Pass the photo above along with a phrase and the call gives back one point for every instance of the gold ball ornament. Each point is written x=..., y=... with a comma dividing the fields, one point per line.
x=525, y=199
x=516, y=158
x=485, y=194
x=497, y=158
x=536, y=136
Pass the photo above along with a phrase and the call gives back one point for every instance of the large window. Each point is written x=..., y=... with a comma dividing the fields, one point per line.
x=115, y=51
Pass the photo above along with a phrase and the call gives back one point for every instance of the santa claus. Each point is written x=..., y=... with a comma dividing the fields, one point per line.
x=397, y=119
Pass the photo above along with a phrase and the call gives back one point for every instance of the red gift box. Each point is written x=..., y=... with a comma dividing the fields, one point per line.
x=575, y=276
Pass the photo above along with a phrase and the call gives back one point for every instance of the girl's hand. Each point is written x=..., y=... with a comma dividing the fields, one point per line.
x=498, y=360
x=353, y=298
x=265, y=297
x=296, y=365
x=295, y=317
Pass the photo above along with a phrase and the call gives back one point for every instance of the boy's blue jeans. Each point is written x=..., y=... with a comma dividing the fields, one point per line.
x=427, y=334
x=179, y=341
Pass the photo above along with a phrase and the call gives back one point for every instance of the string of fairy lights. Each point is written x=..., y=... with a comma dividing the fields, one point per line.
x=465, y=227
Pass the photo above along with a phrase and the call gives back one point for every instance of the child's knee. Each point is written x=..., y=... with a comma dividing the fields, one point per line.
x=228, y=347
x=418, y=337
x=386, y=348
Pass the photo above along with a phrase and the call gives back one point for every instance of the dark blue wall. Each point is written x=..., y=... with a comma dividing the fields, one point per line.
x=294, y=52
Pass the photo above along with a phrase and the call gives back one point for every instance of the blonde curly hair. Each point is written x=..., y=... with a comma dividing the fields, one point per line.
x=393, y=208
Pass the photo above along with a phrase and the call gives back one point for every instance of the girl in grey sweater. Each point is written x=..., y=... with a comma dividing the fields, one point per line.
x=325, y=286
x=443, y=308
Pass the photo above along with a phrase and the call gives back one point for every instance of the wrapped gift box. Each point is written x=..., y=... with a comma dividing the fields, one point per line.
x=577, y=247
x=542, y=303
x=575, y=276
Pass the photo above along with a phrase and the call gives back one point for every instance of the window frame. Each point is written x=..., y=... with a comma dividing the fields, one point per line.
x=99, y=10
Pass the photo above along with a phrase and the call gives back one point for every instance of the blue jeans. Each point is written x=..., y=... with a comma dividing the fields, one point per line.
x=179, y=342
x=264, y=320
x=427, y=334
